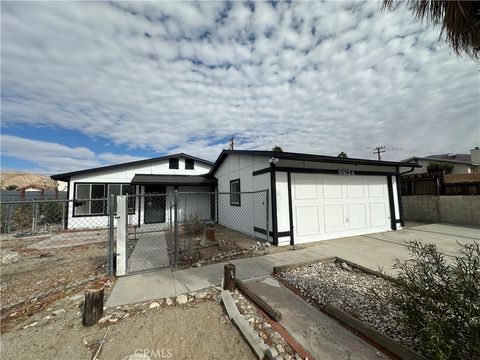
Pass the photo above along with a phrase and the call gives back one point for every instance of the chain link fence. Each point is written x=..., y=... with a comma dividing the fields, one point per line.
x=181, y=229
x=48, y=245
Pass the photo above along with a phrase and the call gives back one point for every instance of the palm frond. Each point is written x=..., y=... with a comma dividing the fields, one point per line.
x=460, y=21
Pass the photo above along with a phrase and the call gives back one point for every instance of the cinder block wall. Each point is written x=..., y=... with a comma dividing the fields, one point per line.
x=459, y=209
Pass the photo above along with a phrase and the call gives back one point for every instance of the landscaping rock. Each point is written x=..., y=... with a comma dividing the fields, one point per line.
x=182, y=299
x=200, y=295
x=168, y=301
x=154, y=305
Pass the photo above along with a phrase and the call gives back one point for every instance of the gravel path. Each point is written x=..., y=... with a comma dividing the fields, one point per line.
x=364, y=296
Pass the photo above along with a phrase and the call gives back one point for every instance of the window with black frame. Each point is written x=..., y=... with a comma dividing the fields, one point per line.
x=173, y=163
x=90, y=199
x=189, y=164
x=235, y=196
x=122, y=189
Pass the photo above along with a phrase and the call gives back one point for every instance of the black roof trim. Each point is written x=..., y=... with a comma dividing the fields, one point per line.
x=307, y=157
x=140, y=179
x=68, y=175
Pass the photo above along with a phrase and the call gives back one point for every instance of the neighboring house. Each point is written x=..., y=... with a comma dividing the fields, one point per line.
x=35, y=191
x=462, y=163
x=159, y=175
x=310, y=197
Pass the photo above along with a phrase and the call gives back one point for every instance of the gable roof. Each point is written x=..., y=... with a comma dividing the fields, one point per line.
x=306, y=157
x=455, y=158
x=68, y=175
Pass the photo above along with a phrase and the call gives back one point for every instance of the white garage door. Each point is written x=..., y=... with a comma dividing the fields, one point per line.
x=331, y=206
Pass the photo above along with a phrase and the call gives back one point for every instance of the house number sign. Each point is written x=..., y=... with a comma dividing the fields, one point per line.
x=346, y=172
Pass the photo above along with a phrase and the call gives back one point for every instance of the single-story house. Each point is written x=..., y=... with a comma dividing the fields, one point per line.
x=310, y=197
x=462, y=163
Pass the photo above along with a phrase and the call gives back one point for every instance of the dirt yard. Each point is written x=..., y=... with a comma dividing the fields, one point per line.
x=30, y=273
x=228, y=244
x=189, y=331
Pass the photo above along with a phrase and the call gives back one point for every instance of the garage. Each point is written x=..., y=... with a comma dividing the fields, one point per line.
x=327, y=206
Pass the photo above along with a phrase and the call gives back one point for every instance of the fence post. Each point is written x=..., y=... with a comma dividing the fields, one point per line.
x=175, y=231
x=111, y=225
x=267, y=213
x=122, y=235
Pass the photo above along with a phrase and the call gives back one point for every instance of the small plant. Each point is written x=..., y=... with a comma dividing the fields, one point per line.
x=441, y=300
x=437, y=167
x=194, y=225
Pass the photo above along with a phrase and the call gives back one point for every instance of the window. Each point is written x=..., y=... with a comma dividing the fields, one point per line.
x=90, y=199
x=173, y=163
x=235, y=195
x=122, y=189
x=189, y=164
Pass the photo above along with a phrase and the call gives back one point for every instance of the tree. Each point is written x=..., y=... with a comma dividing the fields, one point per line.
x=439, y=167
x=342, y=155
x=11, y=187
x=460, y=21
x=277, y=148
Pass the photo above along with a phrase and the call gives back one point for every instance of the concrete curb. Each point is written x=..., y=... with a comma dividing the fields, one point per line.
x=249, y=334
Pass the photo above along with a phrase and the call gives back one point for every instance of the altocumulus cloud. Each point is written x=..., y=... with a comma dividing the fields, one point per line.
x=177, y=76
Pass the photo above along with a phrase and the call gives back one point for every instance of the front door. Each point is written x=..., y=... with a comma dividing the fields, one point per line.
x=155, y=201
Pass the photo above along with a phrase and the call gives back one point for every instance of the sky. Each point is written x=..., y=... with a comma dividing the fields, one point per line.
x=97, y=83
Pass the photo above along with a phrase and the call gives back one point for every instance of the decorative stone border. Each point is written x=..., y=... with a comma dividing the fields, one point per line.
x=353, y=323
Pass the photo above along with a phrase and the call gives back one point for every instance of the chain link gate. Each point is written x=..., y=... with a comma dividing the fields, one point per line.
x=180, y=228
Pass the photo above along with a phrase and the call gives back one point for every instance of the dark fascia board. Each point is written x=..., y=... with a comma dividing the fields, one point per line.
x=306, y=157
x=141, y=179
x=68, y=175
x=415, y=158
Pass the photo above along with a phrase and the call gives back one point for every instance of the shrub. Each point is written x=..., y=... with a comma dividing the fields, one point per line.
x=441, y=300
x=194, y=225
x=437, y=167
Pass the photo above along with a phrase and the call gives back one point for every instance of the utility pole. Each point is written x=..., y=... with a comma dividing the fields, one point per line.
x=231, y=143
x=379, y=150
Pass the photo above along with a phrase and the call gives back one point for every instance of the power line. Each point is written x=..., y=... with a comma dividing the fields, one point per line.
x=379, y=150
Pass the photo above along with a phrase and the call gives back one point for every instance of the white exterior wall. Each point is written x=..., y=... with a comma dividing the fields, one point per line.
x=283, y=212
x=251, y=212
x=124, y=175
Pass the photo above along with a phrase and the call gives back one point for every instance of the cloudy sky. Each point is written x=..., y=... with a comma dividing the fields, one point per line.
x=90, y=84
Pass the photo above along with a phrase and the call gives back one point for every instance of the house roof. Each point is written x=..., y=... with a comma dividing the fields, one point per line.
x=455, y=158
x=306, y=157
x=173, y=179
x=33, y=186
x=68, y=175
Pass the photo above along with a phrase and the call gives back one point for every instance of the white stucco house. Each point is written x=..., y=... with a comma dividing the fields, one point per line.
x=310, y=197
x=462, y=163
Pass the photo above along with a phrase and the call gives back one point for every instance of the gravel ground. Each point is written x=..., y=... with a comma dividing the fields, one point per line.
x=264, y=330
x=191, y=326
x=364, y=296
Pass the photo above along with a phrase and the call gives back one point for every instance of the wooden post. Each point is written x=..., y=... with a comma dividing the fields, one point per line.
x=229, y=277
x=93, y=307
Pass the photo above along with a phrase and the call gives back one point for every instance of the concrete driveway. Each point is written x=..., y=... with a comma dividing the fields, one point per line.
x=379, y=251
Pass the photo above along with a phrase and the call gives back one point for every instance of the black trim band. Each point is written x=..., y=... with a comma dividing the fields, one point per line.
x=334, y=172
x=393, y=222
x=400, y=202
x=273, y=186
x=260, y=172
x=264, y=232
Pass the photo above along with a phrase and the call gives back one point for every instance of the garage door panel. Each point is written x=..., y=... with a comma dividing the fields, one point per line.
x=305, y=188
x=378, y=214
x=329, y=206
x=355, y=189
x=332, y=190
x=376, y=188
x=307, y=220
x=357, y=216
x=334, y=218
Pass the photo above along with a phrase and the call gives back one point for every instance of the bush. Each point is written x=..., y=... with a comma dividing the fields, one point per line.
x=441, y=301
x=194, y=225
x=437, y=167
